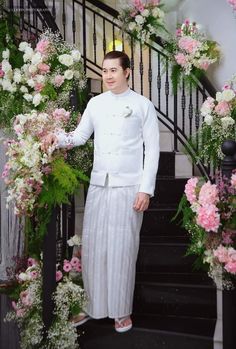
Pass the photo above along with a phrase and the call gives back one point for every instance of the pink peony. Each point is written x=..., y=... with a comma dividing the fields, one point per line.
x=190, y=190
x=221, y=253
x=181, y=59
x=230, y=267
x=222, y=108
x=67, y=266
x=208, y=217
x=1, y=73
x=59, y=275
x=42, y=46
x=189, y=44
x=208, y=194
x=58, y=81
x=44, y=68
x=38, y=87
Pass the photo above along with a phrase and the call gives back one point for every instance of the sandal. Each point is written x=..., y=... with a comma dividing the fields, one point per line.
x=79, y=319
x=120, y=324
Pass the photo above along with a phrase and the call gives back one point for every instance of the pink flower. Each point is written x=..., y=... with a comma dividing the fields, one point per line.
x=141, y=7
x=227, y=237
x=14, y=306
x=1, y=73
x=222, y=108
x=208, y=217
x=42, y=46
x=230, y=267
x=44, y=68
x=58, y=80
x=155, y=2
x=190, y=190
x=25, y=298
x=31, y=262
x=61, y=114
x=34, y=274
x=221, y=253
x=67, y=266
x=181, y=59
x=133, y=14
x=74, y=262
x=226, y=87
x=208, y=194
x=20, y=312
x=186, y=21
x=59, y=275
x=189, y=44
x=38, y=87
x=233, y=180
x=204, y=64
x=178, y=32
x=78, y=268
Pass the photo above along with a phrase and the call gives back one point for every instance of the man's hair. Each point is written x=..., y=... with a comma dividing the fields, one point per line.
x=122, y=56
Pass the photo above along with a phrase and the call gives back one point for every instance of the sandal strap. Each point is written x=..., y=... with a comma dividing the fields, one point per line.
x=122, y=319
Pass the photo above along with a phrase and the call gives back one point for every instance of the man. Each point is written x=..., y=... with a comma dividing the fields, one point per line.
x=123, y=178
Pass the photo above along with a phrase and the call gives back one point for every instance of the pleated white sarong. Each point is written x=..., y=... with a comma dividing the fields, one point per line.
x=110, y=245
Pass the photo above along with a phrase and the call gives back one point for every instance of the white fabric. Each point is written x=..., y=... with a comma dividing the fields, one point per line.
x=122, y=124
x=110, y=244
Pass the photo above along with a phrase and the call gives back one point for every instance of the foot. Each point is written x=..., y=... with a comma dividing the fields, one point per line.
x=123, y=324
x=79, y=319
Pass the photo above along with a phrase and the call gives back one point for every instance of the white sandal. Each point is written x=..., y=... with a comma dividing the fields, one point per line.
x=122, y=328
x=79, y=319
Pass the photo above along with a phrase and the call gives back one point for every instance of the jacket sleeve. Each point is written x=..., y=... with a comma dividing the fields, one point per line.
x=151, y=151
x=80, y=135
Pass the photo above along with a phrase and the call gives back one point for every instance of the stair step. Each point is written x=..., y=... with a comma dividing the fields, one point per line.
x=175, y=298
x=168, y=191
x=193, y=278
x=164, y=257
x=166, y=164
x=164, y=238
x=157, y=221
x=151, y=332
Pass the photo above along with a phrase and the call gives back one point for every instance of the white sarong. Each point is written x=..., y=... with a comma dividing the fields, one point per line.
x=110, y=245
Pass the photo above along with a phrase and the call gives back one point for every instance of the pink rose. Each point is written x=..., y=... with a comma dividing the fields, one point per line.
x=208, y=217
x=181, y=59
x=222, y=108
x=44, y=68
x=59, y=275
x=190, y=190
x=221, y=253
x=38, y=87
x=58, y=80
x=208, y=194
x=1, y=73
x=42, y=46
x=204, y=64
x=230, y=267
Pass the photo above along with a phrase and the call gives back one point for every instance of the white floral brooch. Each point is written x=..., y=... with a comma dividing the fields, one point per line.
x=126, y=112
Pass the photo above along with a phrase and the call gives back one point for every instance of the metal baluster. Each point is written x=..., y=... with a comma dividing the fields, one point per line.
x=167, y=88
x=64, y=19
x=197, y=118
x=94, y=38
x=73, y=21
x=141, y=68
x=104, y=37
x=183, y=105
x=175, y=121
x=150, y=72
x=113, y=37
x=132, y=62
x=190, y=109
x=84, y=37
x=159, y=80
x=29, y=32
x=22, y=13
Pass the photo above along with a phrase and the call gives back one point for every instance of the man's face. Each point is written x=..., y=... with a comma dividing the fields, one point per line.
x=113, y=75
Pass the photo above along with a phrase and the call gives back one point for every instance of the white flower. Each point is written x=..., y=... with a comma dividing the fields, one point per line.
x=6, y=66
x=24, y=89
x=28, y=54
x=66, y=59
x=23, y=45
x=6, y=54
x=77, y=74
x=139, y=19
x=228, y=95
x=40, y=79
x=24, y=277
x=17, y=77
x=76, y=55
x=145, y=12
x=219, y=96
x=28, y=97
x=132, y=26
x=68, y=74
x=37, y=58
x=227, y=121
x=74, y=241
x=31, y=83
x=156, y=12
x=32, y=68
x=6, y=85
x=208, y=119
x=37, y=99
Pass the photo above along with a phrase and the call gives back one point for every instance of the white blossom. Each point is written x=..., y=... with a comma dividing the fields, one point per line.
x=66, y=60
x=23, y=45
x=208, y=119
x=228, y=95
x=28, y=97
x=139, y=19
x=227, y=121
x=37, y=99
x=68, y=74
x=76, y=55
x=6, y=54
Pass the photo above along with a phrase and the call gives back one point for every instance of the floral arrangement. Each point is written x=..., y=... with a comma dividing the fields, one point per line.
x=209, y=215
x=48, y=73
x=143, y=21
x=190, y=52
x=219, y=115
x=232, y=3
x=69, y=298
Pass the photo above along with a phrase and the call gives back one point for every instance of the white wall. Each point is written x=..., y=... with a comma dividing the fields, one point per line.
x=219, y=23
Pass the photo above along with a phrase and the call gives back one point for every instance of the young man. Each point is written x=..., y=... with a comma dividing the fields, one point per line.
x=123, y=178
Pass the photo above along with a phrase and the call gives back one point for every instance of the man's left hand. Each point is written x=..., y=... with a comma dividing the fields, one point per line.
x=141, y=202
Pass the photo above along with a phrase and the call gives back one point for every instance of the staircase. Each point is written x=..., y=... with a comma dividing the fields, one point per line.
x=174, y=306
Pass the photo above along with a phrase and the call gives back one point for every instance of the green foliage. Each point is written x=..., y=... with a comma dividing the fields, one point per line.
x=49, y=91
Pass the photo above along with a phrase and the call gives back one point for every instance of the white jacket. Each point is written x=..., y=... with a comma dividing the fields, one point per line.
x=122, y=125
